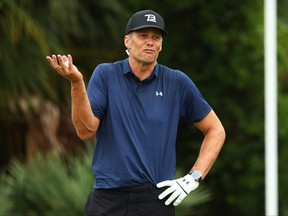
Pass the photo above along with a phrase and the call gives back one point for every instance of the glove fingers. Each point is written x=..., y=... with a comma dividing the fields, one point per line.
x=178, y=189
x=172, y=197
x=167, y=191
x=179, y=199
x=165, y=183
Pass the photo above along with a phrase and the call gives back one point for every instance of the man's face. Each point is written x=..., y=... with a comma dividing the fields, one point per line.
x=144, y=45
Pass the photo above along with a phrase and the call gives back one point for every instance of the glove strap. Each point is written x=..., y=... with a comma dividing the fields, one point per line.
x=183, y=180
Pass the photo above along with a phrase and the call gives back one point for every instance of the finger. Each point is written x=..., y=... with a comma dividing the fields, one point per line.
x=55, y=61
x=62, y=62
x=64, y=58
x=70, y=59
x=173, y=197
x=167, y=191
x=66, y=63
x=52, y=61
x=165, y=183
x=179, y=199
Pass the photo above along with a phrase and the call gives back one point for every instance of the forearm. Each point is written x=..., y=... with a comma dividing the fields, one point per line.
x=179, y=188
x=209, y=151
x=85, y=123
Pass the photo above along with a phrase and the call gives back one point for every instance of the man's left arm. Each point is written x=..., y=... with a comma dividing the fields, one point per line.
x=212, y=143
x=214, y=137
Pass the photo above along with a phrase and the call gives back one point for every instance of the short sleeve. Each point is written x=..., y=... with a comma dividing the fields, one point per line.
x=97, y=91
x=193, y=105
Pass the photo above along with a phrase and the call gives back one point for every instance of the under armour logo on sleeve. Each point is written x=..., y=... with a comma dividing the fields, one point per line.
x=150, y=18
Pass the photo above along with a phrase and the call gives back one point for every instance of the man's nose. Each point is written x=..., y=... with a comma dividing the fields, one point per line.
x=150, y=42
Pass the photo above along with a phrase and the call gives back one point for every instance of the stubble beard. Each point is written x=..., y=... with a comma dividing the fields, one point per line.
x=147, y=59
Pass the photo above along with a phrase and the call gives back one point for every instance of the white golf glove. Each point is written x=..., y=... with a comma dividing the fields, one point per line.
x=179, y=188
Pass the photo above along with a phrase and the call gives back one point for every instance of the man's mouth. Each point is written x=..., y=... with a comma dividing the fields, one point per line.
x=149, y=50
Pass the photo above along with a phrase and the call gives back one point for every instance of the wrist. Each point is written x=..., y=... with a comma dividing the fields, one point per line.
x=196, y=175
x=77, y=80
x=188, y=183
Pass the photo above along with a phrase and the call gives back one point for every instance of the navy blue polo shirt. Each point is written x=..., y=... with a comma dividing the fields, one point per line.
x=139, y=121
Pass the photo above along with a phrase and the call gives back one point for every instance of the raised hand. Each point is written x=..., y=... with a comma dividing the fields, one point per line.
x=64, y=66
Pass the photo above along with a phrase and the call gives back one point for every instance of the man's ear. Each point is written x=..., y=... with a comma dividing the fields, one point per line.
x=160, y=49
x=127, y=41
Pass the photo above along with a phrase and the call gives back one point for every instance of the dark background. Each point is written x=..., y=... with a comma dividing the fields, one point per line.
x=219, y=44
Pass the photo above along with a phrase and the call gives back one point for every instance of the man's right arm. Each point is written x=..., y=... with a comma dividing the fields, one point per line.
x=85, y=123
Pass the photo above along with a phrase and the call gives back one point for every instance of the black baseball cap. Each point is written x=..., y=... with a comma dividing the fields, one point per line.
x=145, y=19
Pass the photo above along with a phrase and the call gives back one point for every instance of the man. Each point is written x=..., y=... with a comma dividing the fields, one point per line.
x=133, y=106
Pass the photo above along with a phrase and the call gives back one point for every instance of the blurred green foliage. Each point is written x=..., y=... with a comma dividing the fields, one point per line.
x=51, y=185
x=48, y=185
x=219, y=44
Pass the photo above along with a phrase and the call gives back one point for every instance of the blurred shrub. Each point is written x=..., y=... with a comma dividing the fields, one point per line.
x=50, y=185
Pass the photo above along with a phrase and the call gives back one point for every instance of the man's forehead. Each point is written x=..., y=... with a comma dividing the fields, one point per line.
x=148, y=30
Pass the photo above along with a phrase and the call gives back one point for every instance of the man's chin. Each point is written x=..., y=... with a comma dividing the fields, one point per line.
x=149, y=60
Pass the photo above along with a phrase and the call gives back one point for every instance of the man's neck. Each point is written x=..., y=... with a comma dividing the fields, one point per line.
x=141, y=70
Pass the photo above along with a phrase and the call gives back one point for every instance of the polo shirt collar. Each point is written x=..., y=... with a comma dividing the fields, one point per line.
x=127, y=69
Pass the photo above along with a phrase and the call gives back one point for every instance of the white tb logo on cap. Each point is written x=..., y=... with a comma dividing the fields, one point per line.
x=151, y=18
